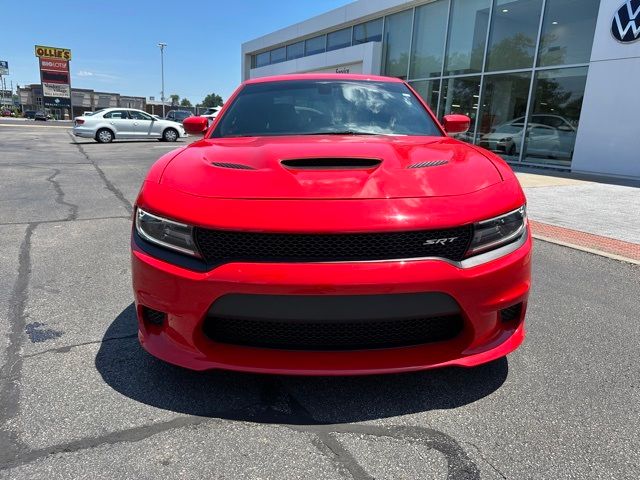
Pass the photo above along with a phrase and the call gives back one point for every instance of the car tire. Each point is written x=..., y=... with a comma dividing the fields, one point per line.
x=511, y=151
x=104, y=135
x=170, y=135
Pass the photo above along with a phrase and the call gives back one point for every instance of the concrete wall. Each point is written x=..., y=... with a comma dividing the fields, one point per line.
x=607, y=140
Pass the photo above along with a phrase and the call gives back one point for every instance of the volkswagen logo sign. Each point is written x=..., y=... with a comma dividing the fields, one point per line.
x=625, y=26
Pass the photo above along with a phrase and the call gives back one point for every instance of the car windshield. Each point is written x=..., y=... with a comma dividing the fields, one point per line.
x=316, y=107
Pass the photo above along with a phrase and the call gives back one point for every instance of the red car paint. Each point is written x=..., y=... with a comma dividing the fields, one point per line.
x=473, y=186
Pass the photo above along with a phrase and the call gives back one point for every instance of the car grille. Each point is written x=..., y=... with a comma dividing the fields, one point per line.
x=221, y=246
x=315, y=335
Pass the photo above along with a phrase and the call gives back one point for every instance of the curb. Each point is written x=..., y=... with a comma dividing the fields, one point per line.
x=587, y=242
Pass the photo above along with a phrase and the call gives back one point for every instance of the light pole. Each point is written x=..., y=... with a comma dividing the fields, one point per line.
x=162, y=45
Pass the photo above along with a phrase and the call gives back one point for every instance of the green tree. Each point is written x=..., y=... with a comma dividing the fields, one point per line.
x=212, y=100
x=185, y=102
x=174, y=99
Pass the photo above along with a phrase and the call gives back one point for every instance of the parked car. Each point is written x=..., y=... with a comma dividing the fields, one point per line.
x=118, y=123
x=328, y=225
x=8, y=113
x=178, y=115
x=29, y=114
x=42, y=116
x=548, y=136
x=211, y=113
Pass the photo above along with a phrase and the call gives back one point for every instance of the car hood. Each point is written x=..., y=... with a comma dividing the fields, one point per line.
x=329, y=167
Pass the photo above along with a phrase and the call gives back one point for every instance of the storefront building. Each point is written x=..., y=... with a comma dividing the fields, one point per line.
x=550, y=83
x=82, y=99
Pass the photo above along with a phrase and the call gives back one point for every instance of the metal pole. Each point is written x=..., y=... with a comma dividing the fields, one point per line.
x=162, y=45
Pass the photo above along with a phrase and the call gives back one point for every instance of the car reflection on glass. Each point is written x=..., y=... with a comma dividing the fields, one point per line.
x=548, y=136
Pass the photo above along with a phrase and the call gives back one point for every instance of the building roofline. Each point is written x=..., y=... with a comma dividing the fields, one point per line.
x=331, y=20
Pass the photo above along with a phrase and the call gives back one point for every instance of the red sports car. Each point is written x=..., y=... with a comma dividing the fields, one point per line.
x=328, y=225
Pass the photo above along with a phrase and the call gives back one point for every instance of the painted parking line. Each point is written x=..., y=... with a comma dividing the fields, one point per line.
x=587, y=242
x=35, y=126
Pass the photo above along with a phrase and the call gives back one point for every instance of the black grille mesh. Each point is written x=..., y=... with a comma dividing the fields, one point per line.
x=220, y=246
x=511, y=313
x=332, y=335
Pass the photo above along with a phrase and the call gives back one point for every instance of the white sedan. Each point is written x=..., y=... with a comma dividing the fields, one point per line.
x=117, y=123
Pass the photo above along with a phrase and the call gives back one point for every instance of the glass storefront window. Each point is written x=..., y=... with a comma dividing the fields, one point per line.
x=314, y=45
x=460, y=95
x=504, y=107
x=567, y=32
x=427, y=48
x=368, y=32
x=295, y=50
x=339, y=39
x=514, y=32
x=278, y=55
x=467, y=36
x=397, y=37
x=555, y=114
x=262, y=59
x=429, y=90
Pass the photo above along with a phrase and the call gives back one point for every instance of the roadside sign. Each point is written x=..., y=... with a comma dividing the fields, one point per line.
x=54, y=76
x=4, y=67
x=53, y=52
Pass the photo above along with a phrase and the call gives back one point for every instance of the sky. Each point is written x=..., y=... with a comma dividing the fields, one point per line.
x=114, y=44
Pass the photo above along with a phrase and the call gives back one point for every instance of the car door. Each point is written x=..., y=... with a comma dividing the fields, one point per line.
x=120, y=123
x=143, y=124
x=543, y=140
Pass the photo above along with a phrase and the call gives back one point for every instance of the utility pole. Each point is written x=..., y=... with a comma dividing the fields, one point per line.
x=162, y=45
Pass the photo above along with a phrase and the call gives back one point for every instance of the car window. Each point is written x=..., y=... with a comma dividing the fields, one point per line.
x=312, y=107
x=542, y=130
x=138, y=115
x=121, y=114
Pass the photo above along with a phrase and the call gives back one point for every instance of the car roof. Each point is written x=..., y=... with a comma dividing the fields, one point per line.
x=324, y=76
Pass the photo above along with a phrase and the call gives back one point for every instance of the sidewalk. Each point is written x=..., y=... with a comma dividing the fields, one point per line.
x=597, y=217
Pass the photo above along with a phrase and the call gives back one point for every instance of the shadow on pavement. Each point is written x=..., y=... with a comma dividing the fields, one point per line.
x=116, y=141
x=128, y=369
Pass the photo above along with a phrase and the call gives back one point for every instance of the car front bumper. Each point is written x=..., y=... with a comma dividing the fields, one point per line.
x=186, y=296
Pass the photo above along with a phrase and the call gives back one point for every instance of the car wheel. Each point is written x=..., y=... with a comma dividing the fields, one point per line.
x=104, y=135
x=170, y=135
x=511, y=151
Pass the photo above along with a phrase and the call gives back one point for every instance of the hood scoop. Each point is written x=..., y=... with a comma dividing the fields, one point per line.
x=331, y=163
x=235, y=166
x=432, y=163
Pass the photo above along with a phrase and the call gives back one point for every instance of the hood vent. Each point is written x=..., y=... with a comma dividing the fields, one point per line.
x=236, y=166
x=432, y=163
x=331, y=163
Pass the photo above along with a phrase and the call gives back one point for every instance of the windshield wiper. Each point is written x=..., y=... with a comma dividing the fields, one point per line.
x=344, y=132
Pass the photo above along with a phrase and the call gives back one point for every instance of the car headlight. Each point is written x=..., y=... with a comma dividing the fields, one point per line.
x=496, y=232
x=167, y=233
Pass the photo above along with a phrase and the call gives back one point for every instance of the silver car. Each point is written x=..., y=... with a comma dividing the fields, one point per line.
x=117, y=123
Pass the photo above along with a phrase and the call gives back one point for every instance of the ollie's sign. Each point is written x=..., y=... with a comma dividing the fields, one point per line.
x=53, y=52
x=54, y=76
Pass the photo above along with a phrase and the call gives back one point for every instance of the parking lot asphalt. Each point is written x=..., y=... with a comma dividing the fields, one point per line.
x=79, y=398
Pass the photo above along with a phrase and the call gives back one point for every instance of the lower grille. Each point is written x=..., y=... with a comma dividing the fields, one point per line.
x=223, y=246
x=305, y=335
x=511, y=313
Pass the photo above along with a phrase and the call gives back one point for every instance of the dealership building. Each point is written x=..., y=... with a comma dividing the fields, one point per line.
x=548, y=83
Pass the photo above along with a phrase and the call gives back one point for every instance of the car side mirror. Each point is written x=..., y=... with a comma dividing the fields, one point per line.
x=456, y=123
x=195, y=125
